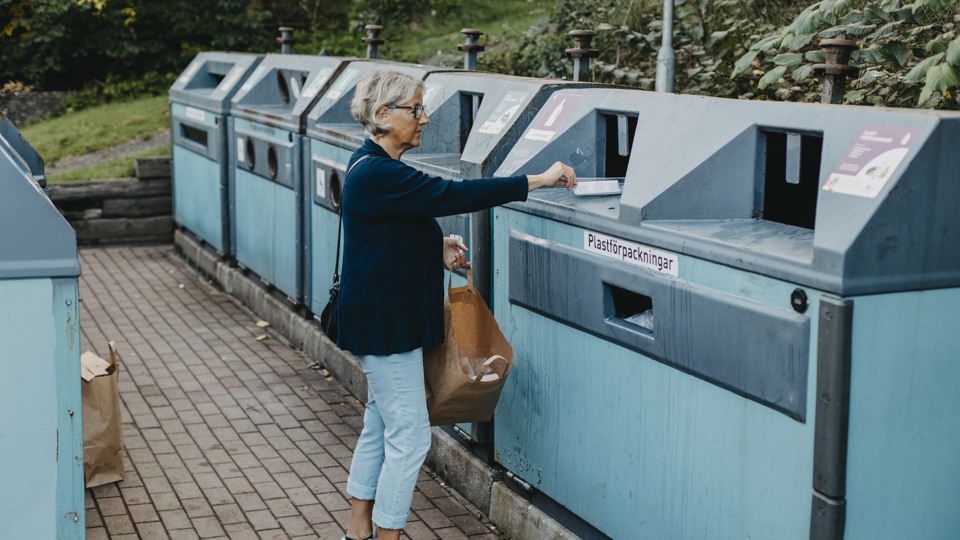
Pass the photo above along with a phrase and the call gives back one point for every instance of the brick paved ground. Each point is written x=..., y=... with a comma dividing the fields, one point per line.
x=226, y=436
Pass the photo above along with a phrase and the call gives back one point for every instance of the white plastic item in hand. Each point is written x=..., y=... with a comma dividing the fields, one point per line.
x=597, y=187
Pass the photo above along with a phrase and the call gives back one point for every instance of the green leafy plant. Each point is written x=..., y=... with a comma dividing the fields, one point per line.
x=708, y=36
x=908, y=55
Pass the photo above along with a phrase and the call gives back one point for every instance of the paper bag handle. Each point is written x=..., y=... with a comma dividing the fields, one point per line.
x=487, y=367
x=469, y=279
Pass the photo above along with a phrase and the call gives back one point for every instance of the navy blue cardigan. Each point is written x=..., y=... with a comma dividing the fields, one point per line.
x=391, y=285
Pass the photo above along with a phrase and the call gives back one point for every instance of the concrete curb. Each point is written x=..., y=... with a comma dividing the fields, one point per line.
x=520, y=519
x=478, y=482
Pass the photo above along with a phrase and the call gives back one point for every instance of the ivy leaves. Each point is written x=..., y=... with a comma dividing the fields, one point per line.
x=909, y=55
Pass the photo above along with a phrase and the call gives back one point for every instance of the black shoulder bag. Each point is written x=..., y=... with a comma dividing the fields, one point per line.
x=329, y=316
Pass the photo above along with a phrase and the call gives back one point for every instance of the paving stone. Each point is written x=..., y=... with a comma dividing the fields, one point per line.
x=225, y=437
x=143, y=513
x=119, y=524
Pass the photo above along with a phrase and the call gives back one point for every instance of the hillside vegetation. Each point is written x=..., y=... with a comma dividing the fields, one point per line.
x=908, y=53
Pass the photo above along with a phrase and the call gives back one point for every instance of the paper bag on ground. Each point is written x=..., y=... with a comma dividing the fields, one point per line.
x=102, y=431
x=465, y=375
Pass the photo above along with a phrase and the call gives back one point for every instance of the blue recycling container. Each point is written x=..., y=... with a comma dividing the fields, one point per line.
x=333, y=135
x=268, y=124
x=41, y=441
x=199, y=105
x=756, y=338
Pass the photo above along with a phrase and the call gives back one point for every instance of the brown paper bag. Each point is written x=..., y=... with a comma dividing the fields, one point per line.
x=102, y=432
x=464, y=375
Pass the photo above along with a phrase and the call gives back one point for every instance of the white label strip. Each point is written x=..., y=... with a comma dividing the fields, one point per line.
x=240, y=157
x=227, y=83
x=321, y=183
x=633, y=253
x=188, y=74
x=195, y=114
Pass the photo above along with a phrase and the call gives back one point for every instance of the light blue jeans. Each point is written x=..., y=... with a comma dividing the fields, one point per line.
x=395, y=438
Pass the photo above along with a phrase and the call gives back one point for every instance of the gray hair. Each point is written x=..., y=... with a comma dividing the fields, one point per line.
x=377, y=89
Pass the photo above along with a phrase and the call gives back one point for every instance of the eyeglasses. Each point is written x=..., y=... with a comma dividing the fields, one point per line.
x=417, y=109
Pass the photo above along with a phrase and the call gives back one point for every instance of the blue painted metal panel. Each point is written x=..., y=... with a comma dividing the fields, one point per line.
x=70, y=486
x=903, y=475
x=267, y=204
x=199, y=103
x=41, y=441
x=254, y=199
x=637, y=448
x=199, y=198
x=286, y=242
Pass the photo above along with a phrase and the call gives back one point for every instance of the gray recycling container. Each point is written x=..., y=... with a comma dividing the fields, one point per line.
x=757, y=339
x=268, y=123
x=41, y=441
x=199, y=105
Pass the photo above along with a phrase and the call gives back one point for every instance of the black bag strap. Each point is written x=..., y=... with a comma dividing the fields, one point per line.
x=336, y=261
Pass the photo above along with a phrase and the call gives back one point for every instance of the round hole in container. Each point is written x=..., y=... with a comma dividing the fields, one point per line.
x=251, y=158
x=284, y=89
x=336, y=190
x=272, y=162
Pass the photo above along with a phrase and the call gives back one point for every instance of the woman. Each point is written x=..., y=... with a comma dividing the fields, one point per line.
x=391, y=291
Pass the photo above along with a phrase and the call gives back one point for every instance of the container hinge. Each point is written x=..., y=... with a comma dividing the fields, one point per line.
x=521, y=483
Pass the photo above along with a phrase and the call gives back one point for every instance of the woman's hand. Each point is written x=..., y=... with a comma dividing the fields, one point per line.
x=559, y=174
x=453, y=253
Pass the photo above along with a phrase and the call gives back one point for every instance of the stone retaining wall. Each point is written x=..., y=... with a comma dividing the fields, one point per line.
x=21, y=107
x=121, y=211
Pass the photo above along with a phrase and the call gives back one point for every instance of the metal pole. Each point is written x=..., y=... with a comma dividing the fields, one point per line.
x=665, y=56
x=835, y=70
x=285, y=39
x=471, y=48
x=582, y=54
x=372, y=40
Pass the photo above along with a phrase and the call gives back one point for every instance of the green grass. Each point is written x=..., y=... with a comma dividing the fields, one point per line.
x=500, y=20
x=98, y=128
x=121, y=167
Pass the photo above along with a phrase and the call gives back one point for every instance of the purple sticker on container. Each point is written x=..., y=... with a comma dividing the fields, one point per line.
x=550, y=119
x=871, y=161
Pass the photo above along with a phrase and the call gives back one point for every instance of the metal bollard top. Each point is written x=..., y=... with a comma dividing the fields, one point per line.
x=473, y=37
x=838, y=55
x=373, y=31
x=583, y=39
x=285, y=39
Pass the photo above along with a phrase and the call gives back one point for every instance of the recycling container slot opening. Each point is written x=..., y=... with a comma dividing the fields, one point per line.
x=282, y=86
x=193, y=134
x=632, y=309
x=217, y=72
x=619, y=130
x=469, y=105
x=791, y=180
x=336, y=191
x=251, y=159
x=272, y=162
